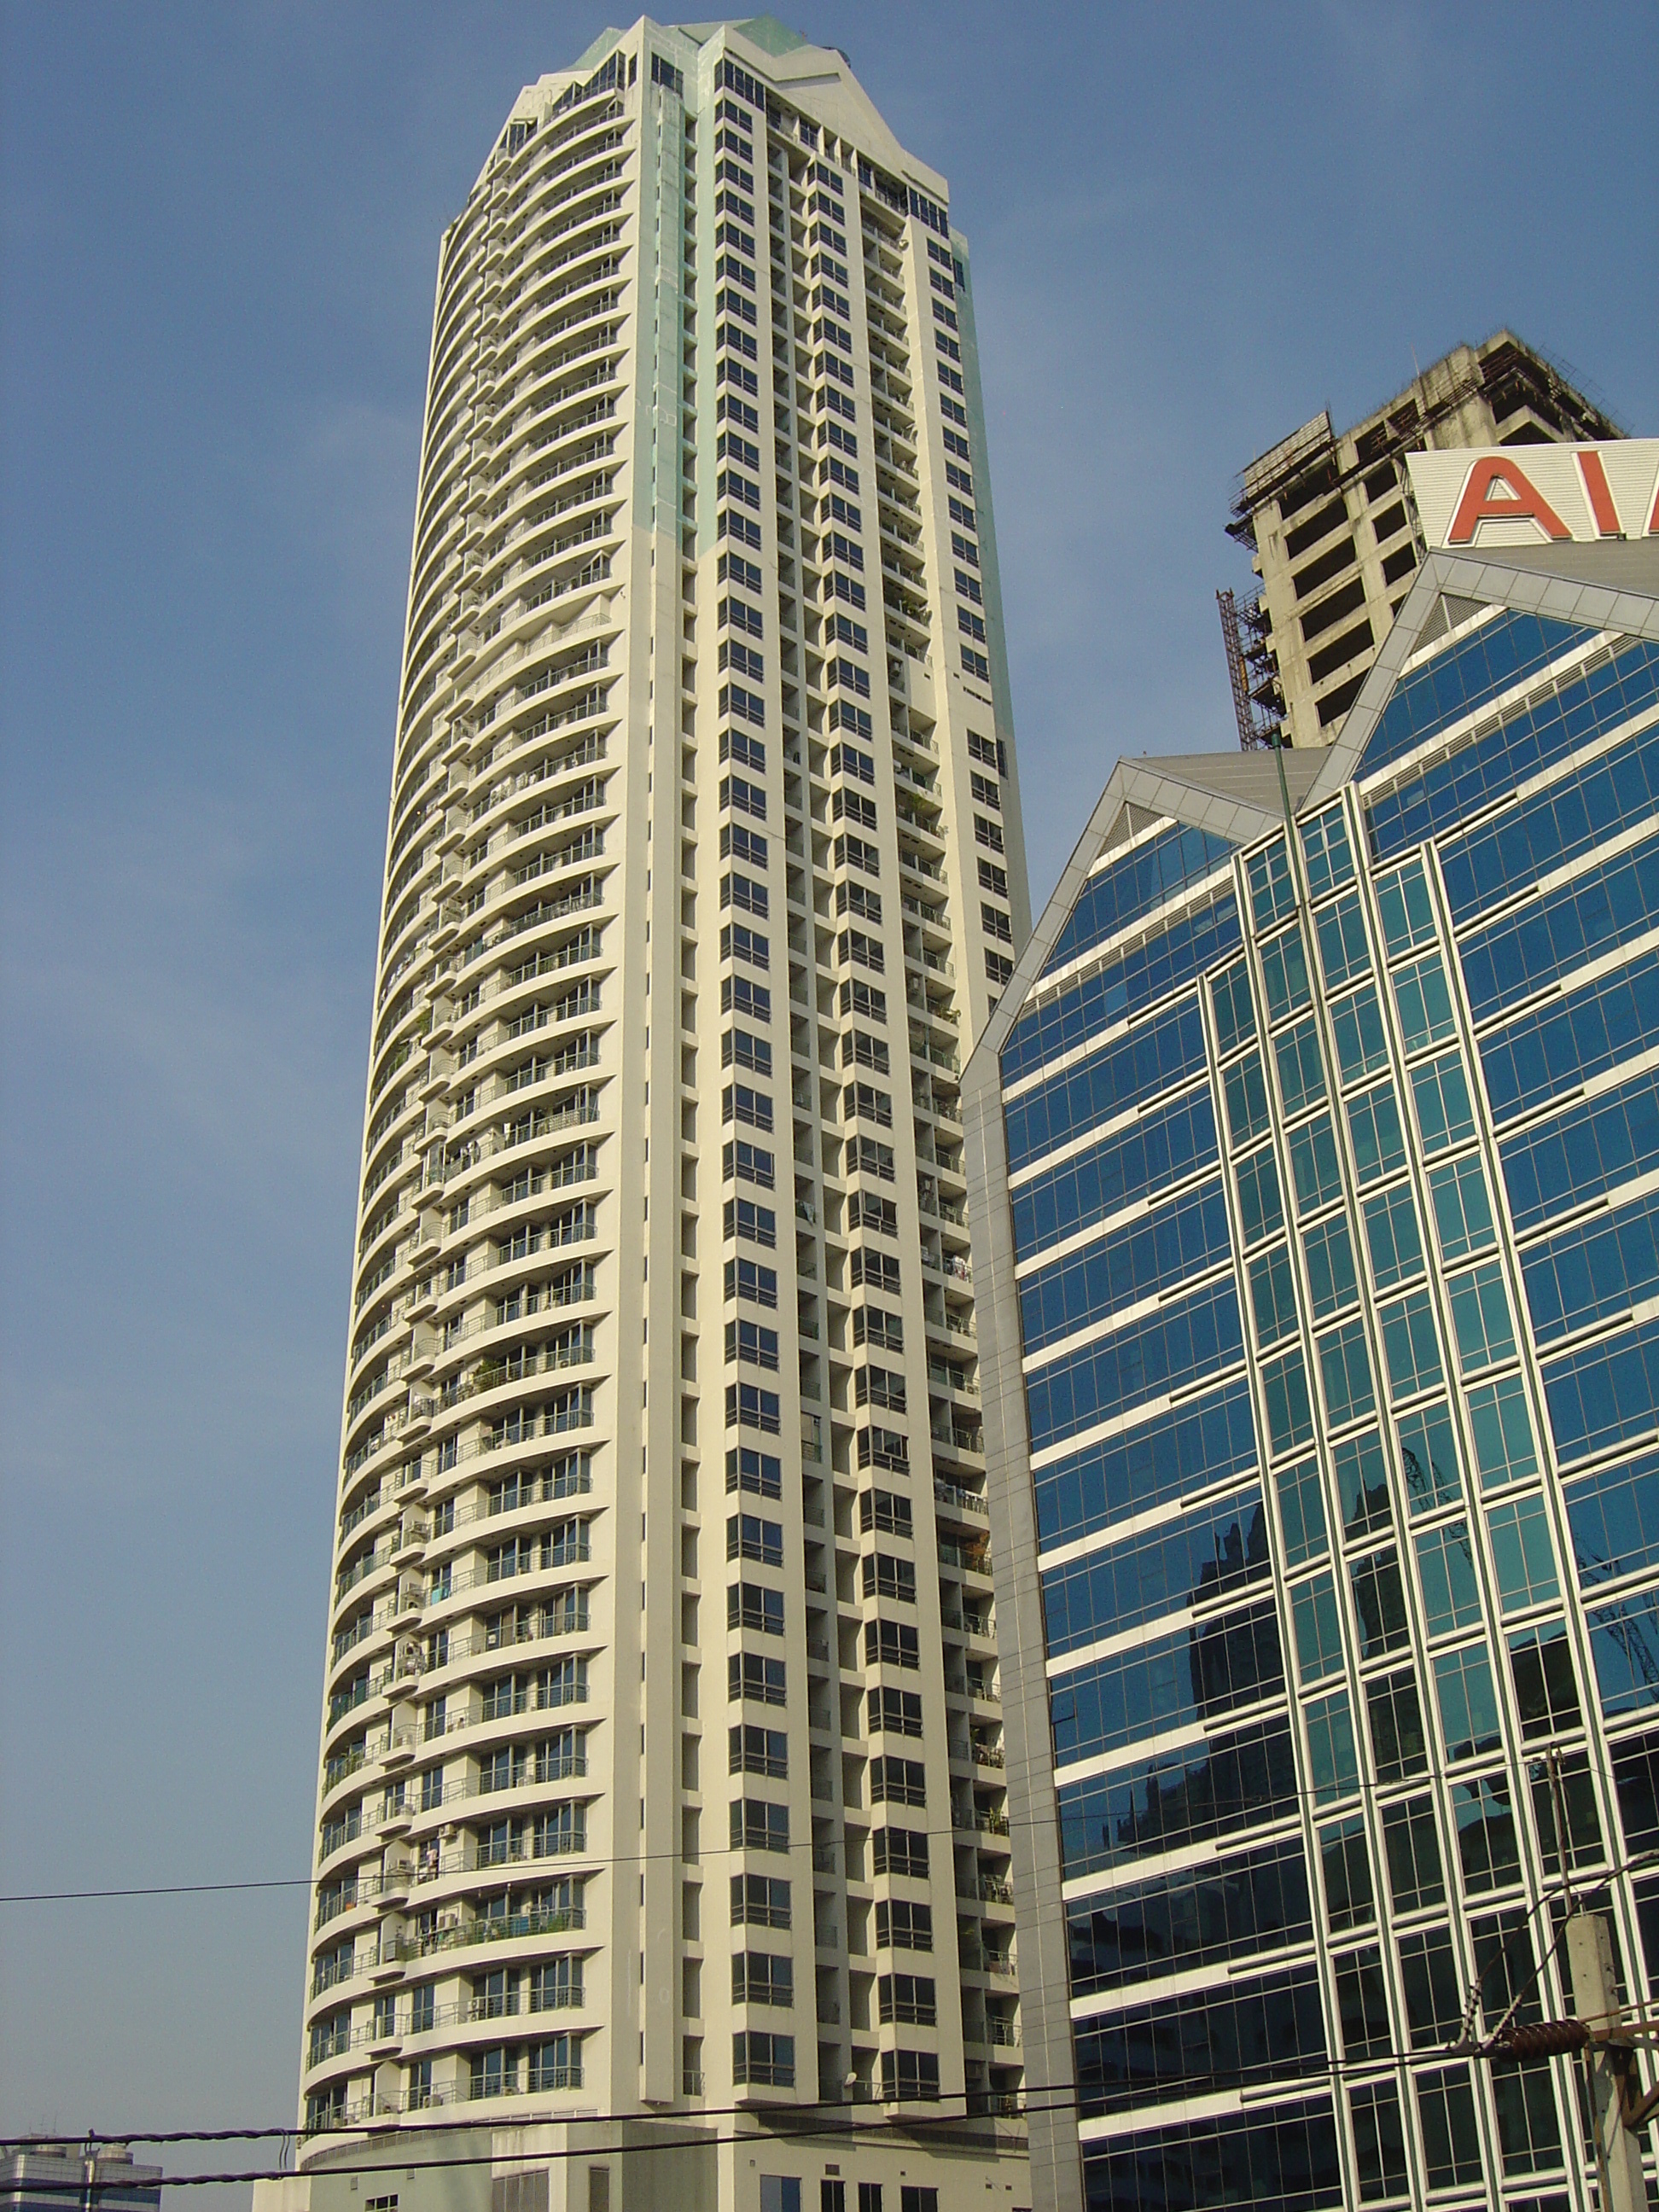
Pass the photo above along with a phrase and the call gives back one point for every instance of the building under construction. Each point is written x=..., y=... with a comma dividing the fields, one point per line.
x=1328, y=520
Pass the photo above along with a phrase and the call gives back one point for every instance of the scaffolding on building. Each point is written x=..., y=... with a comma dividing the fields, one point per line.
x=1257, y=707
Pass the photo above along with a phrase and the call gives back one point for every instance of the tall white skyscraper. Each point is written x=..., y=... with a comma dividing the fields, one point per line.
x=660, y=1789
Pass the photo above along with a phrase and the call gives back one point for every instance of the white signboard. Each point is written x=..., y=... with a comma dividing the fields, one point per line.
x=1490, y=495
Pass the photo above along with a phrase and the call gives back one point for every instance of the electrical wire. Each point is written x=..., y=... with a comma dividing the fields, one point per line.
x=1592, y=1879
x=778, y=2123
x=1055, y=2098
x=780, y=2129
x=1333, y=2068
x=166, y=1889
x=1369, y=1791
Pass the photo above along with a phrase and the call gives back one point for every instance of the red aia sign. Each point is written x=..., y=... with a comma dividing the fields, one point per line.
x=1547, y=493
x=1500, y=490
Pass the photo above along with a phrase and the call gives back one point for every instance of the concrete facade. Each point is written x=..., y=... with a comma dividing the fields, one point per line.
x=1329, y=522
x=661, y=1803
x=1312, y=1158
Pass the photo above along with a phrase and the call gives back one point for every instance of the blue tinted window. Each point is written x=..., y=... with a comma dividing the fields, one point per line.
x=1538, y=835
x=1259, y=1205
x=1462, y=1209
x=1362, y=1485
x=1129, y=1073
x=1488, y=661
x=1250, y=1901
x=1373, y=1131
x=1345, y=1862
x=1279, y=2158
x=1625, y=1645
x=1445, y=794
x=1285, y=974
x=1379, y=1604
x=1176, y=1453
x=1272, y=1296
x=1177, y=1345
x=1290, y=1410
x=1327, y=1251
x=1345, y=1369
x=1333, y=1761
x=1445, y=1571
x=1521, y=1553
x=1607, y=1395
x=1301, y=1512
x=1423, y=1001
x=1235, y=1010
x=1605, y=906
x=1468, y=1703
x=1406, y=909
x=1484, y=1816
x=1546, y=1687
x=1325, y=849
x=1235, y=1781
x=1318, y=1626
x=1502, y=1428
x=1592, y=1272
x=1201, y=2040
x=1273, y=894
x=1391, y=1237
x=1588, y=1148
x=1149, y=971
x=1444, y=1114
x=1361, y=1044
x=1313, y=1166
x=1164, y=1146
x=1429, y=1458
x=1573, y=1037
x=1613, y=1519
x=1301, y=1068
x=1126, y=889
x=1636, y=1777
x=1481, y=1318
x=1246, y=1092
x=1343, y=950
x=1206, y=1555
x=1168, y=1682
x=1150, y=1255
x=1412, y=1345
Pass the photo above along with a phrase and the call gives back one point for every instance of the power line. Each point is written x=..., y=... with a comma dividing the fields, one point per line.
x=166, y=1889
x=777, y=2124
x=779, y=2129
x=1333, y=2069
x=427, y=2126
x=781, y=2119
x=1369, y=1791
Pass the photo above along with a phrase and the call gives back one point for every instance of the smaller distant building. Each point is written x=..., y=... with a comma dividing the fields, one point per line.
x=55, y=2177
x=1329, y=520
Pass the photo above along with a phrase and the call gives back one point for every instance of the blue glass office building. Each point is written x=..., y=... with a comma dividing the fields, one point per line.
x=1315, y=1149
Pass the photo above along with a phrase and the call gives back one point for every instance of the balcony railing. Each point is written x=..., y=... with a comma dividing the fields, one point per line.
x=505, y=1928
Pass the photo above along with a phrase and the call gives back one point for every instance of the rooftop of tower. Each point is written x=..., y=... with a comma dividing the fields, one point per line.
x=1503, y=368
x=823, y=77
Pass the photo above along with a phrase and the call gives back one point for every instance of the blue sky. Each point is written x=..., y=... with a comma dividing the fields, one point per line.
x=1193, y=227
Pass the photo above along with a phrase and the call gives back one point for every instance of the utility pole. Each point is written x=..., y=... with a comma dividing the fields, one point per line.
x=1603, y=2037
x=1596, y=2001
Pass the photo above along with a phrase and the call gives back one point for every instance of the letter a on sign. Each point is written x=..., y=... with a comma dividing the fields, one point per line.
x=1520, y=501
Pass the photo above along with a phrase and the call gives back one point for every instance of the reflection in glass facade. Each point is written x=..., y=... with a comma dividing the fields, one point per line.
x=1321, y=1200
